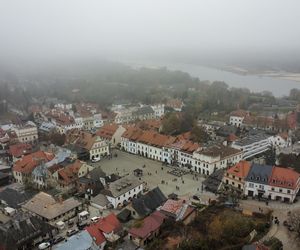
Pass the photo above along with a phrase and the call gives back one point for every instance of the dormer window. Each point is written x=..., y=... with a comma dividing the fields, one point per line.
x=251, y=178
x=257, y=178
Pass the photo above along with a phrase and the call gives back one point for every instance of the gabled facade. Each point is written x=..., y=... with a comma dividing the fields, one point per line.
x=235, y=175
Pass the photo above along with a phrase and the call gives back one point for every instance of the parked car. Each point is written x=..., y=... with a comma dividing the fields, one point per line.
x=58, y=239
x=95, y=219
x=82, y=225
x=72, y=232
x=44, y=245
x=96, y=159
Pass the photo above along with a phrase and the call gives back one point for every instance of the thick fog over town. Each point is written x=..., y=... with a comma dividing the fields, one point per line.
x=44, y=30
x=146, y=124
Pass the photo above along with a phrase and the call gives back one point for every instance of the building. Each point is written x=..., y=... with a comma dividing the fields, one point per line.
x=147, y=203
x=257, y=181
x=13, y=198
x=254, y=144
x=26, y=133
x=24, y=232
x=108, y=226
x=122, y=191
x=284, y=184
x=97, y=235
x=4, y=179
x=281, y=140
x=159, y=110
x=92, y=143
x=24, y=167
x=50, y=210
x=81, y=241
x=235, y=175
x=272, y=182
x=178, y=210
x=175, y=104
x=17, y=151
x=180, y=153
x=208, y=160
x=68, y=176
x=148, y=231
x=237, y=117
x=111, y=133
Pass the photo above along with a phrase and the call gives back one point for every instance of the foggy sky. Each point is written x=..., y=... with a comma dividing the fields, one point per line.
x=47, y=29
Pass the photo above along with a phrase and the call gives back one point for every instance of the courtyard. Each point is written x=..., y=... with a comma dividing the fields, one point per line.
x=155, y=174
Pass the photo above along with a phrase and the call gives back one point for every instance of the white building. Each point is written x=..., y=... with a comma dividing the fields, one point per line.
x=208, y=160
x=159, y=110
x=253, y=145
x=272, y=182
x=27, y=133
x=121, y=192
x=237, y=117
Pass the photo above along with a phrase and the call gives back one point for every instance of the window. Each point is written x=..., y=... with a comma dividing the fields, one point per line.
x=251, y=185
x=289, y=191
x=272, y=189
x=280, y=190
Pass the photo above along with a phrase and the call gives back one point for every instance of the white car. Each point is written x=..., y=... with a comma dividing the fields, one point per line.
x=44, y=245
x=96, y=159
x=95, y=219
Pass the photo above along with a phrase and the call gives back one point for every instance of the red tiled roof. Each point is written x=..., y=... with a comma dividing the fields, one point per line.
x=109, y=224
x=232, y=138
x=185, y=145
x=94, y=231
x=284, y=135
x=152, y=124
x=155, y=139
x=29, y=162
x=19, y=149
x=150, y=224
x=174, y=103
x=284, y=177
x=240, y=169
x=107, y=131
x=239, y=113
x=172, y=206
x=70, y=172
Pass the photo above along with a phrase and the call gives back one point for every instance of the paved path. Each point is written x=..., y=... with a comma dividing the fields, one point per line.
x=280, y=210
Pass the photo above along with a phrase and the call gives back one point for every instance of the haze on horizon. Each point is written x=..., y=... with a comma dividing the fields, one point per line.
x=35, y=31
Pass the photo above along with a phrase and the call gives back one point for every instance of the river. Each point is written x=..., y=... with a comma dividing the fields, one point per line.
x=279, y=87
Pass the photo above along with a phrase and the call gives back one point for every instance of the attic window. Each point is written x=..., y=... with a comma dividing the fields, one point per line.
x=251, y=178
x=257, y=178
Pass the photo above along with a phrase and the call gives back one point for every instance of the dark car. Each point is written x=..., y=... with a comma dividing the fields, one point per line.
x=82, y=226
x=58, y=239
x=72, y=232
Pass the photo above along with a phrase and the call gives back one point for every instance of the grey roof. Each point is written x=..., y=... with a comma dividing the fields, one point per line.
x=97, y=173
x=145, y=110
x=226, y=130
x=124, y=215
x=14, y=198
x=61, y=156
x=259, y=173
x=21, y=231
x=148, y=202
x=80, y=241
x=47, y=207
x=122, y=185
x=100, y=199
x=252, y=138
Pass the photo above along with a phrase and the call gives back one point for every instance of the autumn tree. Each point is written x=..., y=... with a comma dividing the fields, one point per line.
x=198, y=134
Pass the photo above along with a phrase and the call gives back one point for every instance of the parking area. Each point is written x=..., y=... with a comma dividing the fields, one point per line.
x=154, y=174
